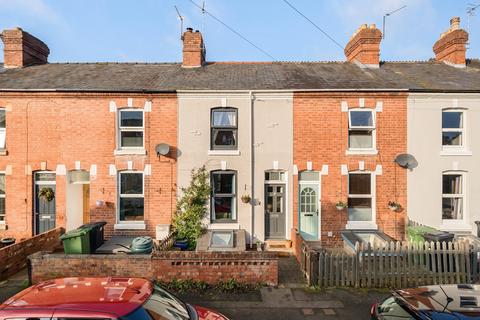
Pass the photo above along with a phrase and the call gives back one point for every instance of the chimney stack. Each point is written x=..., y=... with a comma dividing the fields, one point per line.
x=193, y=49
x=364, y=46
x=21, y=49
x=451, y=47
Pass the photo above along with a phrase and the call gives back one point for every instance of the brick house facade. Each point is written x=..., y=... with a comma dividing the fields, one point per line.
x=61, y=132
x=321, y=128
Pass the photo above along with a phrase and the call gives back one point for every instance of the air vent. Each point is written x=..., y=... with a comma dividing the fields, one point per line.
x=465, y=286
x=468, y=302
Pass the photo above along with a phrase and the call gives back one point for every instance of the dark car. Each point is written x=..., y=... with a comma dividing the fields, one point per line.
x=101, y=298
x=438, y=302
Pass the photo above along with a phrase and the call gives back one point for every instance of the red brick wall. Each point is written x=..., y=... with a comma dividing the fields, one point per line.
x=211, y=267
x=13, y=258
x=321, y=136
x=67, y=127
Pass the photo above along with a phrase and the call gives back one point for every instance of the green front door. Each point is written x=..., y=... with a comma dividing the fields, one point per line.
x=309, y=210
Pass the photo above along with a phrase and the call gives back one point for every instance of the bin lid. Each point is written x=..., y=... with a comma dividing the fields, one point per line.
x=92, y=225
x=74, y=233
x=439, y=236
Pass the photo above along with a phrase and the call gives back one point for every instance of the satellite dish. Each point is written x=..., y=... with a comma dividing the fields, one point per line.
x=162, y=149
x=406, y=161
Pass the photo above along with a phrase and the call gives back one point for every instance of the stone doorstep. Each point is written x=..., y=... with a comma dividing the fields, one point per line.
x=278, y=244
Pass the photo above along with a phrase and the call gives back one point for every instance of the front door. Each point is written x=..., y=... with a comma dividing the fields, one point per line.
x=275, y=211
x=309, y=208
x=44, y=202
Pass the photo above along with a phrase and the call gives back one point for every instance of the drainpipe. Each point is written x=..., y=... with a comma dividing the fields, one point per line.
x=252, y=167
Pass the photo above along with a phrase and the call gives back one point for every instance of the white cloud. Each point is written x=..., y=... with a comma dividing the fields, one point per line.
x=38, y=9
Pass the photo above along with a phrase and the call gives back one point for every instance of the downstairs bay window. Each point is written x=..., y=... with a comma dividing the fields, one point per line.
x=223, y=201
x=361, y=200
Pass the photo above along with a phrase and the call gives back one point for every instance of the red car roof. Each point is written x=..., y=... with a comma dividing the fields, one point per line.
x=74, y=296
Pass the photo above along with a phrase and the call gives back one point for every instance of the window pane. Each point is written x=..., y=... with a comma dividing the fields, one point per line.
x=360, y=209
x=45, y=176
x=452, y=120
x=131, y=209
x=132, y=139
x=309, y=176
x=223, y=183
x=452, y=208
x=2, y=183
x=360, y=139
x=224, y=118
x=2, y=209
x=224, y=137
x=452, y=138
x=452, y=184
x=2, y=118
x=131, y=183
x=361, y=118
x=131, y=118
x=359, y=183
x=2, y=138
x=224, y=208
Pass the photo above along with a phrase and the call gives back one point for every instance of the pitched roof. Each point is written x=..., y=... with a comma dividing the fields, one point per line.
x=170, y=77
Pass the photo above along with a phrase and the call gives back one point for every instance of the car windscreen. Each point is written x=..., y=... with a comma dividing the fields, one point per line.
x=390, y=308
x=161, y=305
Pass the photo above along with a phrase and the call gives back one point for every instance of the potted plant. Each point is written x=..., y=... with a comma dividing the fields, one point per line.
x=340, y=205
x=394, y=206
x=246, y=198
x=182, y=244
x=259, y=245
x=47, y=194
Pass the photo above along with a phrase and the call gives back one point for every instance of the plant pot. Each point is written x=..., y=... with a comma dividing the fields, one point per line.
x=7, y=241
x=394, y=208
x=259, y=247
x=182, y=244
x=340, y=208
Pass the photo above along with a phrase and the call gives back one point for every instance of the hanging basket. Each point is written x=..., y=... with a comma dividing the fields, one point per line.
x=340, y=205
x=394, y=206
x=246, y=198
x=47, y=194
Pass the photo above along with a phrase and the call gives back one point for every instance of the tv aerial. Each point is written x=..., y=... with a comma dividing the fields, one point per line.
x=471, y=7
x=388, y=15
x=180, y=17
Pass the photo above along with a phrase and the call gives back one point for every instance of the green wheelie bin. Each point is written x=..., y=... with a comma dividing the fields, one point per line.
x=76, y=241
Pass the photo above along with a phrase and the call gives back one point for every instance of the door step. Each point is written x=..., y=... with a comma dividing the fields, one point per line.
x=283, y=247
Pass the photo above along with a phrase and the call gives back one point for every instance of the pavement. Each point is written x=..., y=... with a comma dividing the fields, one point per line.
x=291, y=299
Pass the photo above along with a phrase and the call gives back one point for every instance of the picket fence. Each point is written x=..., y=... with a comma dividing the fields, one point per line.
x=394, y=265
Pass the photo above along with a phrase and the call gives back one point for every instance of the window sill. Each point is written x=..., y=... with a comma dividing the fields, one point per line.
x=3, y=152
x=350, y=152
x=3, y=226
x=224, y=225
x=130, y=152
x=130, y=226
x=453, y=152
x=455, y=226
x=361, y=225
x=223, y=152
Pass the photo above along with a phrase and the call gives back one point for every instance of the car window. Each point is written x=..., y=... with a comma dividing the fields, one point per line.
x=390, y=309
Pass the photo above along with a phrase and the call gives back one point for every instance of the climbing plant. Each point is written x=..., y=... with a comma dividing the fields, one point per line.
x=192, y=207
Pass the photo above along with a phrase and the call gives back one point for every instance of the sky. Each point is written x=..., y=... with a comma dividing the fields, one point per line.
x=149, y=30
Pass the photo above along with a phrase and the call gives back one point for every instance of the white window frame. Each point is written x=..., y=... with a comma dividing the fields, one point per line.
x=455, y=224
x=4, y=196
x=365, y=225
x=372, y=128
x=121, y=129
x=4, y=130
x=140, y=224
x=463, y=130
x=234, y=195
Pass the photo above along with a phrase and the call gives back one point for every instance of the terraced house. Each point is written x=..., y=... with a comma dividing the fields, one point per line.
x=286, y=143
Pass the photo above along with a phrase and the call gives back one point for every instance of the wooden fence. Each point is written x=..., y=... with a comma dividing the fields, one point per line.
x=394, y=265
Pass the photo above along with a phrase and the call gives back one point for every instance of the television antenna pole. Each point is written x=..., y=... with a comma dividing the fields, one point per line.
x=388, y=15
x=470, y=13
x=181, y=22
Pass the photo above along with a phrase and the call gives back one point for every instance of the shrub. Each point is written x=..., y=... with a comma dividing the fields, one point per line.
x=192, y=207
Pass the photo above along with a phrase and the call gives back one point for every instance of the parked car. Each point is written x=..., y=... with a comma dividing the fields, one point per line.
x=445, y=302
x=101, y=298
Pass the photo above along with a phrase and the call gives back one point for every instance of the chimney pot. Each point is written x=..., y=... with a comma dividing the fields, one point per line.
x=21, y=49
x=451, y=47
x=364, y=46
x=189, y=29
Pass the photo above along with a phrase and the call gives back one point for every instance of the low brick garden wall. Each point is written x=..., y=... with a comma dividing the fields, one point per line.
x=211, y=267
x=13, y=258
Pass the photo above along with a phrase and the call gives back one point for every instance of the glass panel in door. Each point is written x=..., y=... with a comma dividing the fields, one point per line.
x=309, y=209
